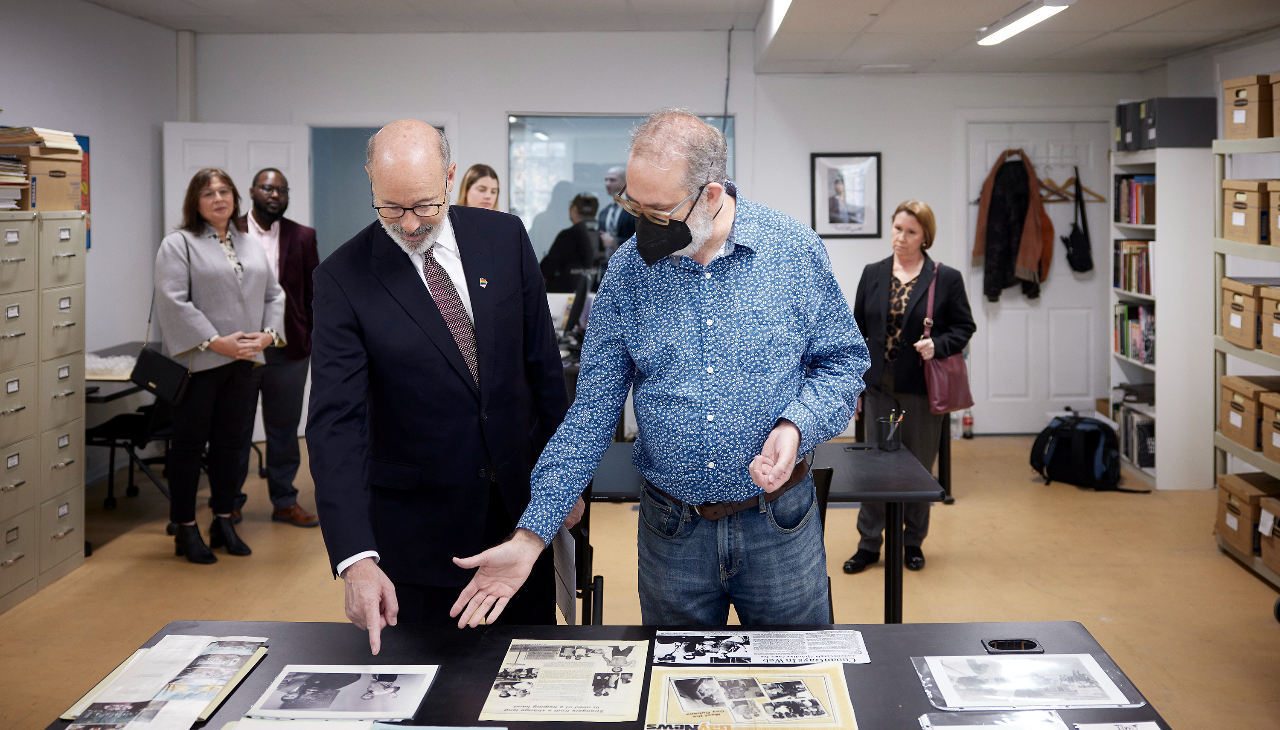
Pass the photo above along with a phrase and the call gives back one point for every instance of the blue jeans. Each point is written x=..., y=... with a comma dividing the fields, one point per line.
x=769, y=562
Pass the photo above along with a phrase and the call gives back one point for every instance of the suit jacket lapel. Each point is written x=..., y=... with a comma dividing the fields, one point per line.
x=474, y=251
x=920, y=289
x=288, y=232
x=879, y=305
x=396, y=272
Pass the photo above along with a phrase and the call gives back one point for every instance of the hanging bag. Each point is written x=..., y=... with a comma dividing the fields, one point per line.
x=947, y=378
x=162, y=376
x=1079, y=249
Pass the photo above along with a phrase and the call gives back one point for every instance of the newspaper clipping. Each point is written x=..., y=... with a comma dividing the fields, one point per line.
x=760, y=647
x=1047, y=680
x=813, y=696
x=580, y=681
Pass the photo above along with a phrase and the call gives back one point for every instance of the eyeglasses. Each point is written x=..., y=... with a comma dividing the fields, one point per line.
x=655, y=216
x=269, y=189
x=392, y=212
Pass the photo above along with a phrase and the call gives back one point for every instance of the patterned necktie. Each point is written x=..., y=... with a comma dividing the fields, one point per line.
x=450, y=304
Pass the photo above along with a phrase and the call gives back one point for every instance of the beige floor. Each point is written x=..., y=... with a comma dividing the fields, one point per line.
x=1141, y=572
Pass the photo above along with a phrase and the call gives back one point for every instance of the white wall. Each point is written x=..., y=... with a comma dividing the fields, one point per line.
x=80, y=68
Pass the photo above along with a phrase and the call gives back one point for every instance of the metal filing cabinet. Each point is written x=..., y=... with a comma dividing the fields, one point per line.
x=61, y=535
x=62, y=249
x=19, y=488
x=19, y=230
x=61, y=321
x=61, y=459
x=61, y=391
x=19, y=397
x=19, y=329
x=19, y=557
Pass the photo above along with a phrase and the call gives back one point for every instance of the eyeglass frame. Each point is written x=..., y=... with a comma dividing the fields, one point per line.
x=283, y=190
x=438, y=206
x=628, y=205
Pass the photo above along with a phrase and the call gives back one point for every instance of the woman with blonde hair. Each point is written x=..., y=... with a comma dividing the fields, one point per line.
x=479, y=188
x=890, y=308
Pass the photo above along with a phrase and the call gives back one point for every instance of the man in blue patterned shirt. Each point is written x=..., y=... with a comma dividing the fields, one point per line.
x=725, y=317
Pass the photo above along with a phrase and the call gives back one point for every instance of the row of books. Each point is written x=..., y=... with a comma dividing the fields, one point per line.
x=1135, y=199
x=1138, y=438
x=51, y=138
x=1135, y=332
x=1132, y=269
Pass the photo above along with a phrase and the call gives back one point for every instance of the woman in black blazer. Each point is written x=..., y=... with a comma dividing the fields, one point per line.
x=890, y=310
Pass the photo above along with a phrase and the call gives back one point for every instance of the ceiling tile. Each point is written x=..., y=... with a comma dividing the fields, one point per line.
x=925, y=16
x=1251, y=15
x=1027, y=44
x=202, y=23
x=685, y=21
x=794, y=67
x=1105, y=15
x=807, y=46
x=1143, y=45
x=250, y=9
x=914, y=48
x=831, y=16
x=364, y=7
x=148, y=8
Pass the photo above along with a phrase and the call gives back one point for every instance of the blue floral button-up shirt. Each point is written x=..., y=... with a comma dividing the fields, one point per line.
x=717, y=354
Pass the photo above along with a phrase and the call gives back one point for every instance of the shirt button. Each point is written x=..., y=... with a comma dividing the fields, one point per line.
x=707, y=275
x=710, y=417
x=710, y=369
x=710, y=322
x=711, y=465
x=481, y=473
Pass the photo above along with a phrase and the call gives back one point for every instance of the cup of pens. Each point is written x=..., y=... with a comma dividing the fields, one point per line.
x=889, y=432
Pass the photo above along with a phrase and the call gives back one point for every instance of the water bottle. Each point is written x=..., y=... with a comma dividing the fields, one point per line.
x=966, y=424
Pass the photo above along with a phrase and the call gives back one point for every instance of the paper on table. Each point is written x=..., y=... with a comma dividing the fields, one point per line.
x=1267, y=523
x=1045, y=680
x=760, y=647
x=1118, y=726
x=1008, y=720
x=346, y=692
x=810, y=696
x=74, y=711
x=571, y=681
x=258, y=723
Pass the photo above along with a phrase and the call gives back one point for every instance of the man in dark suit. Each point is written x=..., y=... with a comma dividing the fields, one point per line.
x=292, y=255
x=617, y=226
x=436, y=381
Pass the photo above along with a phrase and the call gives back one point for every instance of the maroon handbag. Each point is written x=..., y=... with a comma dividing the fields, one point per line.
x=947, y=378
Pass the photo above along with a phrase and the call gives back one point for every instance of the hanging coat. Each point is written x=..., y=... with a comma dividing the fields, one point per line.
x=1014, y=238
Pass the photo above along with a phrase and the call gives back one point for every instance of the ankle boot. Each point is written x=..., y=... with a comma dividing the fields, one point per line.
x=187, y=541
x=222, y=533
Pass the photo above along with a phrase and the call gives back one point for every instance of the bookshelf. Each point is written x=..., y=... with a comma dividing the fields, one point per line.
x=1222, y=248
x=1181, y=211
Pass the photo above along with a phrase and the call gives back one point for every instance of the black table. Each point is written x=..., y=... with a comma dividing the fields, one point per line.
x=110, y=390
x=885, y=693
x=864, y=473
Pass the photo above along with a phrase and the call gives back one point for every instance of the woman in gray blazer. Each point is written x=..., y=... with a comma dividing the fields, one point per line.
x=219, y=306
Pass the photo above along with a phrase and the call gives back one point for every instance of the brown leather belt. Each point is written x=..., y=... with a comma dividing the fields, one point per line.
x=719, y=510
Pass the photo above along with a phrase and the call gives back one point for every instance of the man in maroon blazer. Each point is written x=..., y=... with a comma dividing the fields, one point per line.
x=291, y=252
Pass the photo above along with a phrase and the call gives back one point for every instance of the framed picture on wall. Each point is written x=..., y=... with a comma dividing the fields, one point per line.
x=845, y=193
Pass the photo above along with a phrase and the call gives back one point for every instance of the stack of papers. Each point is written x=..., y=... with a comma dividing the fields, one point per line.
x=13, y=178
x=175, y=683
x=51, y=138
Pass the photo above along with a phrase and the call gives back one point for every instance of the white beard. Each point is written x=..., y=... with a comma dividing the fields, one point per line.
x=701, y=226
x=398, y=233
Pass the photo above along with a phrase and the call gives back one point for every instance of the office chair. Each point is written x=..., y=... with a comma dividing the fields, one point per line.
x=132, y=431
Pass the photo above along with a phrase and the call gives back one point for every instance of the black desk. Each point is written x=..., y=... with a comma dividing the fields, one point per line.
x=864, y=473
x=885, y=693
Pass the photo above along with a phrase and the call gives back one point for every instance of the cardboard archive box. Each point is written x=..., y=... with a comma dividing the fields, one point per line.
x=1241, y=419
x=55, y=177
x=1239, y=508
x=1242, y=308
x=1269, y=320
x=1178, y=121
x=1246, y=210
x=1275, y=102
x=1271, y=426
x=1247, y=107
x=1269, y=541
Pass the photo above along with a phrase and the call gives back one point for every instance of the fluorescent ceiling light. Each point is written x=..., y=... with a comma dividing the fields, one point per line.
x=541, y=135
x=1021, y=19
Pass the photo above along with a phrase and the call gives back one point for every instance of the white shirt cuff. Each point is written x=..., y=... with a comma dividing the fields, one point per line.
x=342, y=567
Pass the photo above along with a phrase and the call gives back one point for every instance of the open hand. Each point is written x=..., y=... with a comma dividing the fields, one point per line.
x=773, y=467
x=370, y=599
x=503, y=568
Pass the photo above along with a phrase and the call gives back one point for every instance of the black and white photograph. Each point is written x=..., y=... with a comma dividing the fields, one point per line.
x=116, y=714
x=219, y=660
x=244, y=648
x=578, y=653
x=1047, y=680
x=341, y=692
x=703, y=649
x=794, y=709
x=515, y=674
x=792, y=689
x=845, y=192
x=699, y=693
x=745, y=710
x=741, y=689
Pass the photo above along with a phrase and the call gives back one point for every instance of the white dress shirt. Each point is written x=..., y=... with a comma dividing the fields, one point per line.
x=447, y=255
x=269, y=239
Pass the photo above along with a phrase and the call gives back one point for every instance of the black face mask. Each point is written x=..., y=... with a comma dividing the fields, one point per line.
x=655, y=242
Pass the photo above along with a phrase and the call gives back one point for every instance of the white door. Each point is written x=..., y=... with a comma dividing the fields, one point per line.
x=1031, y=356
x=241, y=150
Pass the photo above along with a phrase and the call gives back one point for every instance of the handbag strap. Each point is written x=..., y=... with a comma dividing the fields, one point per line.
x=1081, y=219
x=928, y=315
x=151, y=309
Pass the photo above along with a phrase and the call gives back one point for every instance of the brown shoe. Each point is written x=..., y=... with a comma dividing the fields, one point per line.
x=295, y=515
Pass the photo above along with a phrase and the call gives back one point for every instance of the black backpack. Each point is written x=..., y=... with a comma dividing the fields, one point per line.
x=1079, y=248
x=1080, y=451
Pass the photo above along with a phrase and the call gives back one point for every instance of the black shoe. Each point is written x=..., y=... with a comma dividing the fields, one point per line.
x=222, y=533
x=914, y=559
x=187, y=541
x=860, y=561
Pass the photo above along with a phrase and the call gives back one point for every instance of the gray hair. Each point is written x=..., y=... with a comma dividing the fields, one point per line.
x=670, y=134
x=444, y=150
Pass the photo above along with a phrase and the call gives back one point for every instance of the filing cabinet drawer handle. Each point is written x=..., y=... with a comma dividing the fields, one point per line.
x=11, y=487
x=15, y=260
x=60, y=325
x=13, y=560
x=63, y=255
x=64, y=394
x=64, y=464
x=12, y=335
x=10, y=411
x=64, y=533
